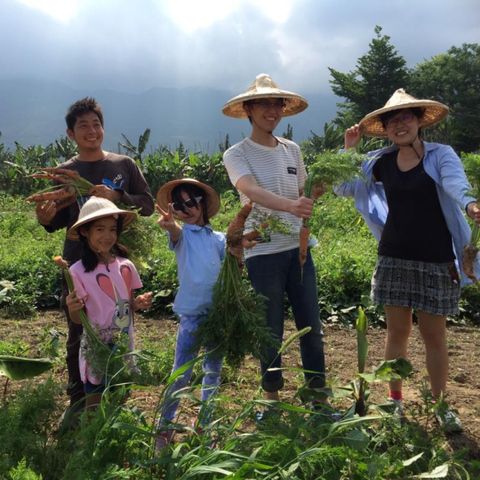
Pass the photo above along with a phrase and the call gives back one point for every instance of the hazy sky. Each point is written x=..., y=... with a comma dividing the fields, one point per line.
x=133, y=45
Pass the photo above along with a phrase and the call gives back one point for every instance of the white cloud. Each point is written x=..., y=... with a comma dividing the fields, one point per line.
x=61, y=10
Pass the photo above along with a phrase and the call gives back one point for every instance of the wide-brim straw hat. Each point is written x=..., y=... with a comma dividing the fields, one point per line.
x=95, y=208
x=433, y=111
x=164, y=195
x=264, y=87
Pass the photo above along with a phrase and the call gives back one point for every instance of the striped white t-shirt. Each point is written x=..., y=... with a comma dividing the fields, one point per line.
x=277, y=169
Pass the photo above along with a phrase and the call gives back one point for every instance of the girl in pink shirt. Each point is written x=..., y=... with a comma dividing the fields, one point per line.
x=104, y=281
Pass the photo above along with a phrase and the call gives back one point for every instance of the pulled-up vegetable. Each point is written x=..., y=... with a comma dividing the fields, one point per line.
x=329, y=169
x=68, y=186
x=471, y=163
x=236, y=325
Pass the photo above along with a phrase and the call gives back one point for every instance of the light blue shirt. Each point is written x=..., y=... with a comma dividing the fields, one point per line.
x=199, y=252
x=444, y=166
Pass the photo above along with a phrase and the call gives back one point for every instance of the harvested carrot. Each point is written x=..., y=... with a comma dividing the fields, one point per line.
x=58, y=195
x=304, y=234
x=56, y=178
x=63, y=171
x=236, y=226
x=469, y=255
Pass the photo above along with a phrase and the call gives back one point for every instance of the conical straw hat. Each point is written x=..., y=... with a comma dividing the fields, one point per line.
x=264, y=87
x=371, y=125
x=164, y=195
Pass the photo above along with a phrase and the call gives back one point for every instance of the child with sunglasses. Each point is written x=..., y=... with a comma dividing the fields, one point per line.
x=199, y=251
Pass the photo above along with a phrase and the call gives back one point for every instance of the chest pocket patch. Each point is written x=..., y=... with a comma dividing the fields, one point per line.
x=292, y=170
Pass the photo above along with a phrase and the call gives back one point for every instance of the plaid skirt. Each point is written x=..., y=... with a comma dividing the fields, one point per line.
x=430, y=287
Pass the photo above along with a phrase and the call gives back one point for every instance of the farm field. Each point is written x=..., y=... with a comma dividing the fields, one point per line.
x=340, y=346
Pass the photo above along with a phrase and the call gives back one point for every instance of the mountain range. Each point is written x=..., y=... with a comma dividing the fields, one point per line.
x=32, y=113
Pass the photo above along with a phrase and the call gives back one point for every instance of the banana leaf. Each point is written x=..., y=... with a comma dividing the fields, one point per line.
x=19, y=368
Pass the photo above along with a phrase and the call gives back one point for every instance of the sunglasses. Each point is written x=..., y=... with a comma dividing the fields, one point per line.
x=190, y=203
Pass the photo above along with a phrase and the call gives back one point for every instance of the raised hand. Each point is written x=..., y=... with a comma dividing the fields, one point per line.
x=352, y=136
x=45, y=211
x=167, y=222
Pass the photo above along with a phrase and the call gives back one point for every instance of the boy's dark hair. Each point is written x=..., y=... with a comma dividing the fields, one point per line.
x=80, y=107
x=385, y=117
x=192, y=191
x=89, y=257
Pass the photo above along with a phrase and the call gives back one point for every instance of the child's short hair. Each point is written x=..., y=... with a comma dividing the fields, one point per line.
x=80, y=107
x=192, y=191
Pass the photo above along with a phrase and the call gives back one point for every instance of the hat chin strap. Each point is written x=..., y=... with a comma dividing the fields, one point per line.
x=412, y=146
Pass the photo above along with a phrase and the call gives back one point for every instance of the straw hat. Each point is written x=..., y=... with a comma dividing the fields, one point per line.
x=434, y=111
x=264, y=87
x=95, y=208
x=164, y=195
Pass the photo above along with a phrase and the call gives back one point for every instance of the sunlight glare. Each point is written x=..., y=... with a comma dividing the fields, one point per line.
x=278, y=11
x=192, y=15
x=60, y=10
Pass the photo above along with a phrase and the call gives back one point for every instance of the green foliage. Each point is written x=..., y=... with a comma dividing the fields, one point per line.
x=136, y=151
x=163, y=165
x=25, y=259
x=22, y=472
x=453, y=78
x=115, y=442
x=377, y=75
x=17, y=166
x=332, y=139
x=236, y=323
x=332, y=168
x=19, y=368
x=26, y=426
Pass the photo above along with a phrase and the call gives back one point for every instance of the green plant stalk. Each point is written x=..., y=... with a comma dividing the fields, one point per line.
x=361, y=326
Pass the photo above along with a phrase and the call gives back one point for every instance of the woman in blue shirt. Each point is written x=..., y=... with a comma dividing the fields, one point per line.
x=413, y=196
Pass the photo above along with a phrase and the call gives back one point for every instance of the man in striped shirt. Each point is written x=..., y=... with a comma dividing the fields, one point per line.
x=269, y=171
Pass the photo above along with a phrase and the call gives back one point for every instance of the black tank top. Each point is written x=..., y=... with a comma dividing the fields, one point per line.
x=415, y=228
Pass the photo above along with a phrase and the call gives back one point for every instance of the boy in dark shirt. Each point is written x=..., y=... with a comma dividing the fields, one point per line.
x=115, y=177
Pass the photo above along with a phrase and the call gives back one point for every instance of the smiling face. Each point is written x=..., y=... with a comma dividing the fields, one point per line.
x=87, y=133
x=402, y=127
x=101, y=235
x=265, y=113
x=192, y=206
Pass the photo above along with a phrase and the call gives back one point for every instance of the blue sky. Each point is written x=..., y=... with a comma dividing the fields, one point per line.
x=132, y=46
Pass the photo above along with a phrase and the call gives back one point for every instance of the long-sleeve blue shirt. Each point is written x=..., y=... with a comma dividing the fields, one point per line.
x=444, y=166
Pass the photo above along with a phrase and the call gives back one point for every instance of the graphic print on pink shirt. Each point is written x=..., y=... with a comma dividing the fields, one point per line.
x=122, y=316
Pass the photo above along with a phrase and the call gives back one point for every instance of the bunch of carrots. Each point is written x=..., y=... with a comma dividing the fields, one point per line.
x=471, y=163
x=236, y=325
x=68, y=185
x=329, y=169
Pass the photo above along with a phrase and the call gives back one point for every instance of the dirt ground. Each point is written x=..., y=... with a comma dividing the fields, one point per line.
x=340, y=353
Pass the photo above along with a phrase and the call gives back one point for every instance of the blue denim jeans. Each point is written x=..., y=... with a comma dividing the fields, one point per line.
x=274, y=276
x=184, y=352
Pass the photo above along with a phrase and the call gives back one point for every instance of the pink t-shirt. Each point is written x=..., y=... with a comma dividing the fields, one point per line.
x=107, y=293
